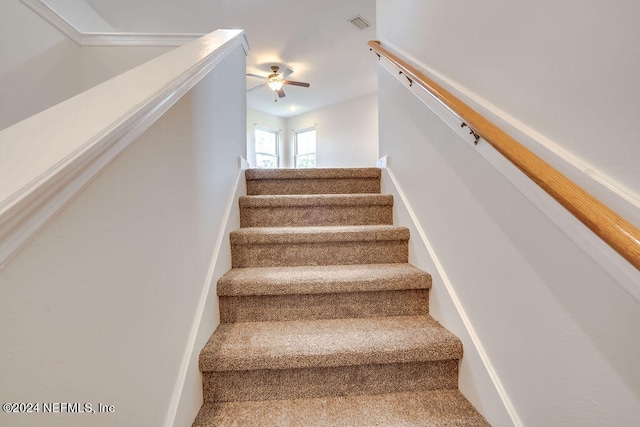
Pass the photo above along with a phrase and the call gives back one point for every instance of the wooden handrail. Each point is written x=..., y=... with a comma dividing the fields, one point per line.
x=617, y=232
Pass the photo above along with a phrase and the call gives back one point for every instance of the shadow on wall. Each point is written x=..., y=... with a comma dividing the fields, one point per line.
x=46, y=80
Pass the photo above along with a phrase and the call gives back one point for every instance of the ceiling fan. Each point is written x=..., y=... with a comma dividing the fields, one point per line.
x=275, y=81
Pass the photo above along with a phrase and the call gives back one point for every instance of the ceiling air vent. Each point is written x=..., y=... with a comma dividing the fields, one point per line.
x=359, y=22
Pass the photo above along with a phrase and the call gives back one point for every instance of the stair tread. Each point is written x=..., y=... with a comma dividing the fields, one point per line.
x=322, y=279
x=296, y=200
x=328, y=342
x=420, y=408
x=319, y=173
x=318, y=234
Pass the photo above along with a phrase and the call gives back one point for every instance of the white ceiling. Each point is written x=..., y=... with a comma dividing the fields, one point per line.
x=314, y=38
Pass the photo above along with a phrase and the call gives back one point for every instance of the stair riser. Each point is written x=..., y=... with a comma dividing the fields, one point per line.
x=262, y=308
x=227, y=386
x=329, y=253
x=423, y=408
x=312, y=186
x=300, y=216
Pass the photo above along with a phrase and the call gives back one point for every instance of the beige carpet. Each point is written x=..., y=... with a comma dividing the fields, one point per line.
x=324, y=322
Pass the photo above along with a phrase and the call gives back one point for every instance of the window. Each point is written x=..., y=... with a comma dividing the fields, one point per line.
x=305, y=148
x=266, y=148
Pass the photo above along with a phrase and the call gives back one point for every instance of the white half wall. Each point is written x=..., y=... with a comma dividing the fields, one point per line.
x=560, y=333
x=99, y=307
x=346, y=135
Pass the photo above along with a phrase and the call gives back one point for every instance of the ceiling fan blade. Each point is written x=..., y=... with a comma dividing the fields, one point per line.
x=256, y=87
x=287, y=72
x=255, y=75
x=281, y=93
x=291, y=82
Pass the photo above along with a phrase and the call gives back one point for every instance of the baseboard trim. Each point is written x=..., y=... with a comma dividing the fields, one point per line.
x=510, y=409
x=204, y=296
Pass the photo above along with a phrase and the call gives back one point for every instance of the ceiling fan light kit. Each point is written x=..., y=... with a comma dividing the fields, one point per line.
x=275, y=81
x=275, y=84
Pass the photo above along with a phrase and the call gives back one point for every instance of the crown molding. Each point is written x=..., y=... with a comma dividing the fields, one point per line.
x=137, y=39
x=108, y=39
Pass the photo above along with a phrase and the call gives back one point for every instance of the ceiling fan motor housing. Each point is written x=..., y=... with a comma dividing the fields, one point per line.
x=275, y=69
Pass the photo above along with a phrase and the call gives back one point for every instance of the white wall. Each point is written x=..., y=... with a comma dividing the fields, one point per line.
x=567, y=70
x=39, y=66
x=81, y=15
x=100, y=305
x=346, y=135
x=191, y=395
x=474, y=379
x=99, y=64
x=269, y=121
x=560, y=332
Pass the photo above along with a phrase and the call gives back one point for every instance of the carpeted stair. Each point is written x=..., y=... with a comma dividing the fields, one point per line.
x=323, y=321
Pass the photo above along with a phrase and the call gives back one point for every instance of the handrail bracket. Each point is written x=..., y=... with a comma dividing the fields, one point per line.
x=407, y=77
x=472, y=132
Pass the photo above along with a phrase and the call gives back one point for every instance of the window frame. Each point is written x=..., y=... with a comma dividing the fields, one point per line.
x=296, y=156
x=276, y=133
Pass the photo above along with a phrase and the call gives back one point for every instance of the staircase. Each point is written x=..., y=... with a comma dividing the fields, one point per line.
x=323, y=321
